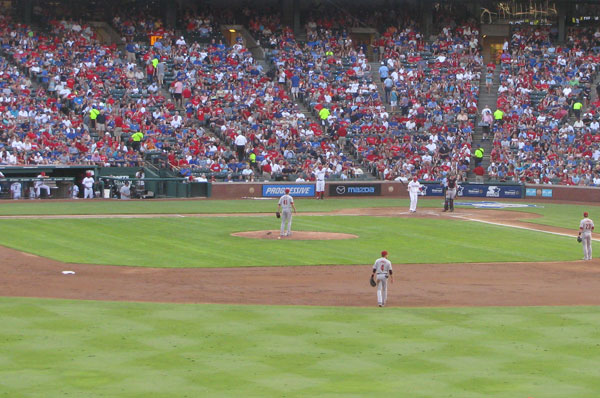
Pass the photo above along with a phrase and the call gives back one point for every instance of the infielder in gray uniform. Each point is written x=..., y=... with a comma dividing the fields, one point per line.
x=586, y=226
x=285, y=206
x=382, y=270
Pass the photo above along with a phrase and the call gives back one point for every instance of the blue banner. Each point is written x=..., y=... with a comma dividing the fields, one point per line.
x=530, y=192
x=546, y=193
x=478, y=191
x=275, y=191
x=433, y=190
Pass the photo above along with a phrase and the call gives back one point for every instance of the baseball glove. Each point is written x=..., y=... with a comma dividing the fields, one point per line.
x=277, y=214
x=579, y=239
x=372, y=282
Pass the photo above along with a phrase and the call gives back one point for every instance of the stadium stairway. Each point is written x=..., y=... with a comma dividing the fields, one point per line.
x=105, y=33
x=594, y=94
x=377, y=80
x=489, y=101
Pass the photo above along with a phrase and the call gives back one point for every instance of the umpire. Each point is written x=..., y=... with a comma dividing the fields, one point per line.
x=451, y=188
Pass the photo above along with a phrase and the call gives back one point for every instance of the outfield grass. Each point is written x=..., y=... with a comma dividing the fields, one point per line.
x=206, y=242
x=56, y=348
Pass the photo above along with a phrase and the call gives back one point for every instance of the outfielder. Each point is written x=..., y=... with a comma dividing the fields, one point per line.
x=414, y=188
x=320, y=186
x=285, y=206
x=382, y=270
x=88, y=186
x=451, y=188
x=586, y=227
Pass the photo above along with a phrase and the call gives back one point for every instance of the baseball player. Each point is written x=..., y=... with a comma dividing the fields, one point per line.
x=15, y=189
x=75, y=191
x=414, y=188
x=320, y=173
x=88, y=186
x=382, y=270
x=285, y=206
x=39, y=185
x=125, y=191
x=586, y=227
x=451, y=188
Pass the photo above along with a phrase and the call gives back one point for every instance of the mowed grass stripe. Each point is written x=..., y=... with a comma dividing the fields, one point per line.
x=54, y=348
x=207, y=242
x=192, y=206
x=559, y=215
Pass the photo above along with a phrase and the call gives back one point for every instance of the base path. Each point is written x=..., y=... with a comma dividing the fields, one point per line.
x=417, y=285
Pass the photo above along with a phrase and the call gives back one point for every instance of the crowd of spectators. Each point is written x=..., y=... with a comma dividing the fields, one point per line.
x=207, y=107
x=542, y=133
x=433, y=89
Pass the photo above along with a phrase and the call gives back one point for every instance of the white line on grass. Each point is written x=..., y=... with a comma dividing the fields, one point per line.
x=519, y=227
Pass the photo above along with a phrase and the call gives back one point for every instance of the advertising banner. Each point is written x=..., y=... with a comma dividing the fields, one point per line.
x=336, y=189
x=275, y=191
x=478, y=190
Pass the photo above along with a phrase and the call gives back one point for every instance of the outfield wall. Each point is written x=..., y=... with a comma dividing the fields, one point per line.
x=224, y=190
x=563, y=192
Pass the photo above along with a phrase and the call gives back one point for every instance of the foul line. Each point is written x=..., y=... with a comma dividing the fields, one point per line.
x=520, y=227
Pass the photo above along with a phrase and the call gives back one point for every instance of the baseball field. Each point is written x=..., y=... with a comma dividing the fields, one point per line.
x=198, y=298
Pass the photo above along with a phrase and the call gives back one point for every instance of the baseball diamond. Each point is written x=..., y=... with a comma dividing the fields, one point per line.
x=329, y=199
x=472, y=282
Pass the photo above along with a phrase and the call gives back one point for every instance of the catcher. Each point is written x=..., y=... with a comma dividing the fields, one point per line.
x=382, y=270
x=284, y=211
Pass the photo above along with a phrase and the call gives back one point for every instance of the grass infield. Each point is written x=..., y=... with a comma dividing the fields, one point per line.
x=206, y=242
x=57, y=348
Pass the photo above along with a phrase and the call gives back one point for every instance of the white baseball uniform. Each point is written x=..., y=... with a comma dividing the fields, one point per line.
x=320, y=176
x=15, y=189
x=286, y=202
x=75, y=191
x=586, y=226
x=39, y=185
x=383, y=270
x=414, y=187
x=88, y=187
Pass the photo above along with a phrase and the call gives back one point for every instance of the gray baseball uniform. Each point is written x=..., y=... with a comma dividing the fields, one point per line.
x=286, y=202
x=383, y=269
x=586, y=226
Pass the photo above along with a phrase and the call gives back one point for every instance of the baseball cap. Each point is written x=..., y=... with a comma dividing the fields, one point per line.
x=384, y=253
x=585, y=213
x=287, y=190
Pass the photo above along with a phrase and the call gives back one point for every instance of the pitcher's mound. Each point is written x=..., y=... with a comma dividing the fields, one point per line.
x=296, y=235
